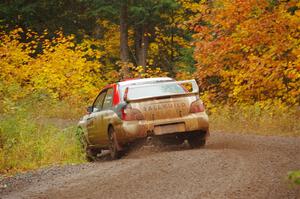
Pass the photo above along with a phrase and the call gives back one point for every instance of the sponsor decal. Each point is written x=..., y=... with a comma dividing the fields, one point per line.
x=157, y=107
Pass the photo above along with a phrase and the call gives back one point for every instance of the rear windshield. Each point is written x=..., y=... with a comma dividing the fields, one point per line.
x=153, y=90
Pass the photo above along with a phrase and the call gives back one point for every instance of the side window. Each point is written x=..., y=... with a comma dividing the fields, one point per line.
x=108, y=99
x=99, y=101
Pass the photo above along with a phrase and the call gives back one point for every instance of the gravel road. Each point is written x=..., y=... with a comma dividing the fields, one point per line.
x=230, y=166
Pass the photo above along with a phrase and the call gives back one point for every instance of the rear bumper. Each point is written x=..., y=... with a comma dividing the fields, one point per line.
x=139, y=129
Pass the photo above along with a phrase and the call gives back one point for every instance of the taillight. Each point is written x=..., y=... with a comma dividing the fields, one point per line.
x=197, y=106
x=130, y=114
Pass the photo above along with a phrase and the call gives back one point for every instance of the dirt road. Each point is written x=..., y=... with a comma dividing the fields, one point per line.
x=230, y=166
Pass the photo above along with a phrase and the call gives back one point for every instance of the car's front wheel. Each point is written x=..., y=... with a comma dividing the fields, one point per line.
x=113, y=144
x=90, y=154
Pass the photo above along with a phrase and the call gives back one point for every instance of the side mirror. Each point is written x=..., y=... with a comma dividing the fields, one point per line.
x=89, y=109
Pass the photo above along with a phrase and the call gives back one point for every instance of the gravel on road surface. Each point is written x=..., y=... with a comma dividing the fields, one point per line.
x=230, y=166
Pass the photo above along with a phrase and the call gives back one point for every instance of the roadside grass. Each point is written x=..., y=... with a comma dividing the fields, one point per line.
x=26, y=142
x=252, y=119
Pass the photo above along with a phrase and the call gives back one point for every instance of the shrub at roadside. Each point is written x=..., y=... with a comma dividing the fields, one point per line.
x=259, y=119
x=28, y=143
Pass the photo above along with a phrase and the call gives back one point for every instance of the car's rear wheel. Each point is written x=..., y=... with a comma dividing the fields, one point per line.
x=113, y=144
x=197, y=140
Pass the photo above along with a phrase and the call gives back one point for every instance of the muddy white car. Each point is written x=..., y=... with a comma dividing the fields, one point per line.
x=137, y=109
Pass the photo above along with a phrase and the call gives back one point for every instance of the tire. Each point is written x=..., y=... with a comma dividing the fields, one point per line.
x=90, y=154
x=196, y=140
x=113, y=144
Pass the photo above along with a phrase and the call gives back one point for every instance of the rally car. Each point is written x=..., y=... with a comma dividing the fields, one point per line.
x=135, y=109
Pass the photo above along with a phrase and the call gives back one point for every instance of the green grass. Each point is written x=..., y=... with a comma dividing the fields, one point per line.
x=26, y=143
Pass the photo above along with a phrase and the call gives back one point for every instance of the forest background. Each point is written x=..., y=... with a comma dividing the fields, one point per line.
x=55, y=56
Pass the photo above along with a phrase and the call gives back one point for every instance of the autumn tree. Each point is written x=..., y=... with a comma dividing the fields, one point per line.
x=149, y=32
x=248, y=51
x=145, y=16
x=141, y=17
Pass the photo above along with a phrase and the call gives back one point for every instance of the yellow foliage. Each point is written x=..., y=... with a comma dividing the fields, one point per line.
x=64, y=69
x=141, y=72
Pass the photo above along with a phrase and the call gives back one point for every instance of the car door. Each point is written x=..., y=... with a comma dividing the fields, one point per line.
x=106, y=114
x=94, y=120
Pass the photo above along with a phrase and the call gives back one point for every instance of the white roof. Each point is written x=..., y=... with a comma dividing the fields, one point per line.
x=144, y=80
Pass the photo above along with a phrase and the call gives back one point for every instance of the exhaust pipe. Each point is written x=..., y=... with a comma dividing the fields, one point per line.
x=149, y=139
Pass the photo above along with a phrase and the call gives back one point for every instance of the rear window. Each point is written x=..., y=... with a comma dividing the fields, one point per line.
x=154, y=90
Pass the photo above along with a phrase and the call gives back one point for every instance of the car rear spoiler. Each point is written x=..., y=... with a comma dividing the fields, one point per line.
x=194, y=89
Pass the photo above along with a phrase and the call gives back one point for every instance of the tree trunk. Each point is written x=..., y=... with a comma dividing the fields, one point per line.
x=171, y=68
x=141, y=45
x=97, y=33
x=124, y=50
x=137, y=44
x=145, y=44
